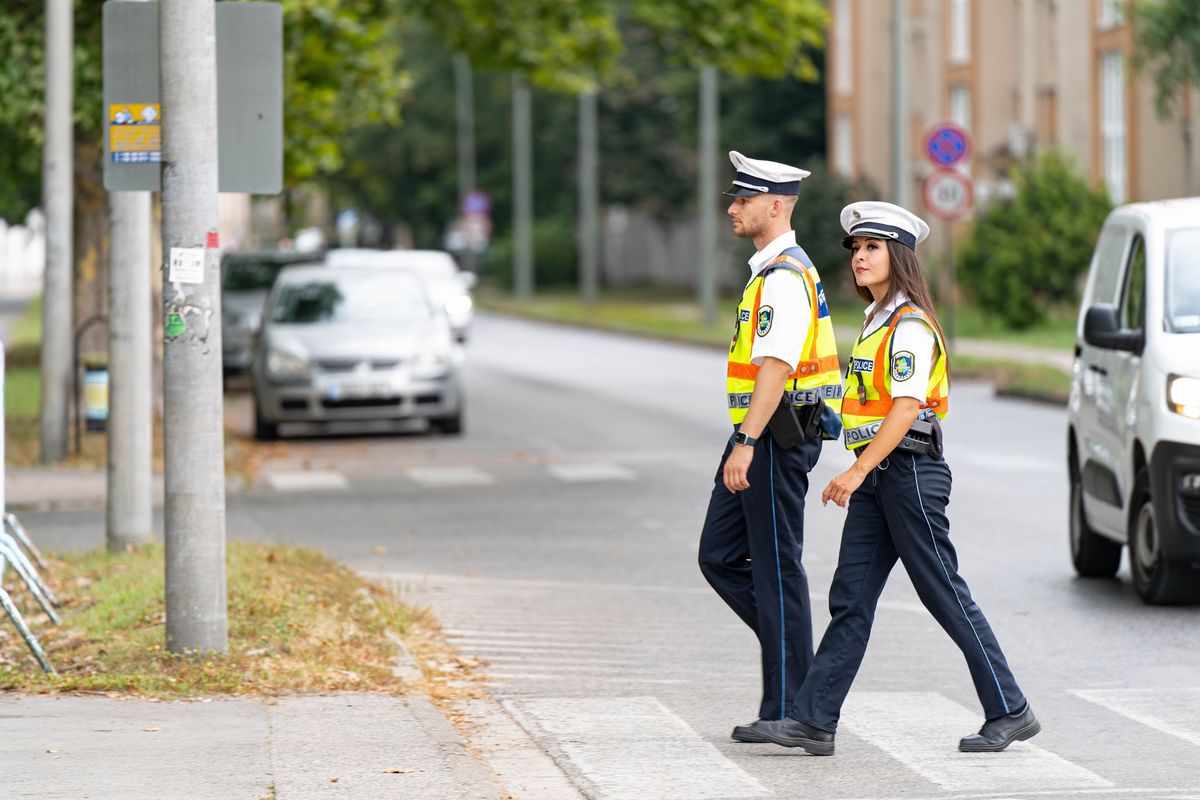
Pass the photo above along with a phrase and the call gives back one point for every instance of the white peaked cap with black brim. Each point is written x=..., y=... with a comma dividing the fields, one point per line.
x=756, y=176
x=878, y=220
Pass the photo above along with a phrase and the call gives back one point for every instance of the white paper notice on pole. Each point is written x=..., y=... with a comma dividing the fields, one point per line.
x=186, y=265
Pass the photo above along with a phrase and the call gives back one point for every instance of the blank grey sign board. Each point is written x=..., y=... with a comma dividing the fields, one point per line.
x=249, y=92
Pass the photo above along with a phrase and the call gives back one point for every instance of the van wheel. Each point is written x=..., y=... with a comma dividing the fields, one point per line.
x=1157, y=581
x=1094, y=555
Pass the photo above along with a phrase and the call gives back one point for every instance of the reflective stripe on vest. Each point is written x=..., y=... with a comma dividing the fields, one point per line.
x=867, y=397
x=818, y=375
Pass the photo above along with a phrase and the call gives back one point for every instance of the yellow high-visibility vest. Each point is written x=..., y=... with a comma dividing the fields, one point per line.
x=818, y=375
x=868, y=391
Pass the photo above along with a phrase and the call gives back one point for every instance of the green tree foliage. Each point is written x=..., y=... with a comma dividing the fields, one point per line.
x=767, y=38
x=565, y=45
x=1024, y=257
x=341, y=70
x=1167, y=40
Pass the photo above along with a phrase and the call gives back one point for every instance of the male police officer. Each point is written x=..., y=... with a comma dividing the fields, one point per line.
x=783, y=384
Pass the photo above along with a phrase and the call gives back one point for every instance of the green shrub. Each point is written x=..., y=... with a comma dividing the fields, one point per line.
x=554, y=256
x=1023, y=257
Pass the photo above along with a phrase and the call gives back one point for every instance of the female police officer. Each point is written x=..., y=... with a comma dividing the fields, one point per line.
x=897, y=388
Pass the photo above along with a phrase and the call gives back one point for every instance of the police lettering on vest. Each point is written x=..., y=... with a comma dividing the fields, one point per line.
x=817, y=376
x=873, y=367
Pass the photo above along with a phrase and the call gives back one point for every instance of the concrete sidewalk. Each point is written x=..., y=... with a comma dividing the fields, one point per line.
x=354, y=746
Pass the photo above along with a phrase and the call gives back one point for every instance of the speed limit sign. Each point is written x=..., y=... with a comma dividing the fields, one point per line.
x=947, y=194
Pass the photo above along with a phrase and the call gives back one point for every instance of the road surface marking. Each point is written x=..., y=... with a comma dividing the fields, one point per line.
x=921, y=730
x=1176, y=713
x=590, y=471
x=449, y=476
x=306, y=480
x=633, y=748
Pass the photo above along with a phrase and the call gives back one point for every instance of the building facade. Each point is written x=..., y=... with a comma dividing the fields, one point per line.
x=1019, y=76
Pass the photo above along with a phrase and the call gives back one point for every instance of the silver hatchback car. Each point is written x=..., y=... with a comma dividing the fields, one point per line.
x=353, y=345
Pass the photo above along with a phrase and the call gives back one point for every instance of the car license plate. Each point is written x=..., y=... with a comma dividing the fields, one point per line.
x=358, y=390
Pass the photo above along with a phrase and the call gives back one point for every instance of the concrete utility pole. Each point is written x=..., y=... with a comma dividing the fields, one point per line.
x=193, y=426
x=708, y=194
x=130, y=414
x=130, y=370
x=901, y=171
x=522, y=189
x=589, y=200
x=58, y=327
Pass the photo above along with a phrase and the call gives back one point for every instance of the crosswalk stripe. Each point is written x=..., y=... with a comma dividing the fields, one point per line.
x=306, y=480
x=590, y=471
x=632, y=748
x=1175, y=712
x=450, y=476
x=921, y=730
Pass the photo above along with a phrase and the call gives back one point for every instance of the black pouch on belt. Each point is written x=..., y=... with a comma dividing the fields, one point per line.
x=791, y=426
x=925, y=436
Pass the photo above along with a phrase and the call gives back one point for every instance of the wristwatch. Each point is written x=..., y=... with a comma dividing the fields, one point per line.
x=741, y=438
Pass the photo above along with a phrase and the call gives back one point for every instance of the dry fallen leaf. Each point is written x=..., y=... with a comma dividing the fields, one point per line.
x=379, y=550
x=151, y=730
x=333, y=780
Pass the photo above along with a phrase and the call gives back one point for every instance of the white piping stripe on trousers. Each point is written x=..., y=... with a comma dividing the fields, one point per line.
x=933, y=540
x=783, y=698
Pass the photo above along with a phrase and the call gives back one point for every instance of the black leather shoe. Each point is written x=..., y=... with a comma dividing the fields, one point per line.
x=997, y=734
x=747, y=734
x=789, y=732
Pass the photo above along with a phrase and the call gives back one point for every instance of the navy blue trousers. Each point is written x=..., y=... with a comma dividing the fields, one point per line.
x=900, y=513
x=750, y=552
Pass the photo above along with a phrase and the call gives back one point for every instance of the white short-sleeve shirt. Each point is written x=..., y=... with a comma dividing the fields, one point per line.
x=784, y=294
x=913, y=337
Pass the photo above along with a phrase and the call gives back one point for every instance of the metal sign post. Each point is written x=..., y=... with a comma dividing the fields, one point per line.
x=948, y=196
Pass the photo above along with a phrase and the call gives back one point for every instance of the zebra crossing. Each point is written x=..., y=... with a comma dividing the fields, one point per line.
x=286, y=478
x=582, y=671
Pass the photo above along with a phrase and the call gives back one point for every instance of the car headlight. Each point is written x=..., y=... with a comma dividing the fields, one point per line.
x=456, y=306
x=430, y=363
x=282, y=364
x=1183, y=395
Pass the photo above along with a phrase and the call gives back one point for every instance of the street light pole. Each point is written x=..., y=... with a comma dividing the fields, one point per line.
x=58, y=200
x=589, y=199
x=193, y=427
x=522, y=188
x=708, y=194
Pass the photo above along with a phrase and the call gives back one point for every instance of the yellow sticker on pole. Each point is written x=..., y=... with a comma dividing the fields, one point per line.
x=135, y=133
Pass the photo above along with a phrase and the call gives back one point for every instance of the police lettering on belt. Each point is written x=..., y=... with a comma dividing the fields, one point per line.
x=783, y=388
x=897, y=390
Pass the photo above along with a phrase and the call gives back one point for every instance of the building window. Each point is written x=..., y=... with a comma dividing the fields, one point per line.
x=1110, y=14
x=960, y=106
x=1112, y=123
x=842, y=48
x=843, y=145
x=960, y=31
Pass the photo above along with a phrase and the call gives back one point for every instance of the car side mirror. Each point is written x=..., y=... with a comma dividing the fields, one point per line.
x=1102, y=328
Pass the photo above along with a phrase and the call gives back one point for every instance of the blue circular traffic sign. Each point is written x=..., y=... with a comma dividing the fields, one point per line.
x=947, y=144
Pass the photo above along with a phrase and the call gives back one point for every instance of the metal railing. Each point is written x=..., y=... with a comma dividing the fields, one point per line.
x=14, y=544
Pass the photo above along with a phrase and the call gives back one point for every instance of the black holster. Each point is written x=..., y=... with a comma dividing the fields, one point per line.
x=791, y=425
x=923, y=438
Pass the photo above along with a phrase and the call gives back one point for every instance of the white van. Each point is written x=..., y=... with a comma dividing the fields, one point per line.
x=1133, y=440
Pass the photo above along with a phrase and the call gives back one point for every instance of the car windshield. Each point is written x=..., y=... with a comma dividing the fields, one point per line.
x=240, y=275
x=379, y=297
x=1183, y=281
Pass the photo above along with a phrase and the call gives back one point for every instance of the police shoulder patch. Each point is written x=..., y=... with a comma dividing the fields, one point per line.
x=765, y=316
x=903, y=364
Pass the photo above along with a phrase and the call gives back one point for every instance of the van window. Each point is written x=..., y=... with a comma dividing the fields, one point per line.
x=1183, y=281
x=1133, y=297
x=1106, y=271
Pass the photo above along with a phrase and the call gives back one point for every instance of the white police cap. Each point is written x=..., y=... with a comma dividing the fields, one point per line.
x=879, y=220
x=755, y=176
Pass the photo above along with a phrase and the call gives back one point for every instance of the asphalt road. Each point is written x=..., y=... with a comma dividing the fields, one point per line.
x=556, y=539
